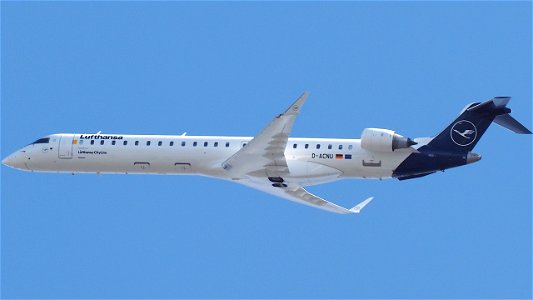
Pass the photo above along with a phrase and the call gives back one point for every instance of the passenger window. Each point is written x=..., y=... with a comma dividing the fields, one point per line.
x=205, y=144
x=113, y=143
x=159, y=143
x=215, y=144
x=92, y=142
x=340, y=147
x=294, y=146
x=318, y=146
x=183, y=144
x=330, y=146
x=171, y=143
x=350, y=147
x=194, y=144
x=244, y=145
x=227, y=144
x=81, y=142
x=136, y=143
x=125, y=143
x=101, y=142
x=306, y=146
x=148, y=143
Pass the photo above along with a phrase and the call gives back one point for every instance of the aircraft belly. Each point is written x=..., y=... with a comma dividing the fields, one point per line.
x=308, y=173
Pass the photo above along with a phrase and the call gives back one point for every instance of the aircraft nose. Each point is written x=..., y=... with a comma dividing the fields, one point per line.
x=7, y=161
x=15, y=160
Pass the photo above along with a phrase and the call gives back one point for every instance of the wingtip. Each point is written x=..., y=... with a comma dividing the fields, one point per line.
x=294, y=109
x=357, y=209
x=303, y=97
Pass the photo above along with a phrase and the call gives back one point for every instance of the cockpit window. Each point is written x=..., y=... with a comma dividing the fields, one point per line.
x=41, y=141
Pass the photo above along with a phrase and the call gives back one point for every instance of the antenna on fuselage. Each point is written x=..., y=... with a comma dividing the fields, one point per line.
x=184, y=134
x=99, y=132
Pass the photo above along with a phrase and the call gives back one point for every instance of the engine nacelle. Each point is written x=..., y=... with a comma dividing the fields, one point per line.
x=383, y=140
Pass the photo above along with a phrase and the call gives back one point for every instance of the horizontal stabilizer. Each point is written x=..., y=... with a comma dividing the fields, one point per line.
x=490, y=105
x=511, y=123
x=357, y=209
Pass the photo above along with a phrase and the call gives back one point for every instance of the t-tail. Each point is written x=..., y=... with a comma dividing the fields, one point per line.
x=462, y=135
x=452, y=147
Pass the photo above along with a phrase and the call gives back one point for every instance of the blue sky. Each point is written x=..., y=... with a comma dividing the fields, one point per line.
x=227, y=69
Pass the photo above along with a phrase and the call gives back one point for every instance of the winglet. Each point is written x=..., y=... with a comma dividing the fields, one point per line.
x=294, y=109
x=357, y=209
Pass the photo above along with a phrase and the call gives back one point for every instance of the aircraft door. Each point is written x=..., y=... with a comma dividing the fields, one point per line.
x=66, y=145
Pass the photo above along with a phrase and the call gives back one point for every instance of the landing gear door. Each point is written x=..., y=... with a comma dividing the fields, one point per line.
x=65, y=146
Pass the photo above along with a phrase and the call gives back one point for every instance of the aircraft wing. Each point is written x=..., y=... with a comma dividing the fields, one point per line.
x=265, y=153
x=300, y=195
x=264, y=157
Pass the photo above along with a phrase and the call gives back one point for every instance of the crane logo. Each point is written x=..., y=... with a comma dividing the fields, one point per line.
x=463, y=133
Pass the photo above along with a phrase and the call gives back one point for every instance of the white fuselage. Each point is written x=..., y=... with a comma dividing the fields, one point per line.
x=271, y=161
x=310, y=160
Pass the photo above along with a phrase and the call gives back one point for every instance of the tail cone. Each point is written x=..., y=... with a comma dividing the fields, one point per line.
x=472, y=157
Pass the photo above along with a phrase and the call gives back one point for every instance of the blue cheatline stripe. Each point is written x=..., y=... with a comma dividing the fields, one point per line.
x=347, y=156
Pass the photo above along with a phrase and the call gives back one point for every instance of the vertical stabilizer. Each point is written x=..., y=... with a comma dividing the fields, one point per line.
x=462, y=135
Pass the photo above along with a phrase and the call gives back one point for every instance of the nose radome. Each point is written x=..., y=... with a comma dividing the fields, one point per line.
x=14, y=161
x=8, y=161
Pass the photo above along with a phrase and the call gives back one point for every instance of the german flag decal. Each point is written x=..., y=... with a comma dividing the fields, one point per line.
x=338, y=156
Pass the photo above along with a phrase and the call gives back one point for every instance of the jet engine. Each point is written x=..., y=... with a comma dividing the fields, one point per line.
x=383, y=140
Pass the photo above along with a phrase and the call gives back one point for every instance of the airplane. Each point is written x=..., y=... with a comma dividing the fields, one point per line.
x=272, y=161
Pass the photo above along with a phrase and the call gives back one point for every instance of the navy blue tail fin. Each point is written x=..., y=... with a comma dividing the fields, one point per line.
x=464, y=132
